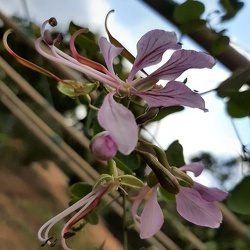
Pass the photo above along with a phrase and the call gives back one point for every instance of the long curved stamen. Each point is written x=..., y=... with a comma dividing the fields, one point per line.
x=82, y=59
x=74, y=64
x=49, y=224
x=88, y=207
x=29, y=64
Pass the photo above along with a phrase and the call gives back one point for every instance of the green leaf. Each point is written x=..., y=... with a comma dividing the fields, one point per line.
x=175, y=154
x=238, y=105
x=231, y=8
x=239, y=200
x=188, y=11
x=132, y=161
x=192, y=26
x=166, y=195
x=92, y=218
x=85, y=41
x=122, y=166
x=80, y=189
x=167, y=111
x=220, y=44
x=234, y=82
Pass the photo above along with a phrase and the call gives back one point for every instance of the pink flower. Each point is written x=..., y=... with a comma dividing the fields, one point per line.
x=86, y=205
x=117, y=120
x=151, y=219
x=197, y=204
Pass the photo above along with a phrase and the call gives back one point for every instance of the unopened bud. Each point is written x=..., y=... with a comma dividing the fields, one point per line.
x=152, y=179
x=147, y=116
x=180, y=175
x=165, y=178
x=103, y=147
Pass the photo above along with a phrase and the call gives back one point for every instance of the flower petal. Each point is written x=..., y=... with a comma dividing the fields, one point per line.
x=196, y=168
x=109, y=52
x=182, y=60
x=174, y=93
x=152, y=217
x=137, y=202
x=151, y=47
x=210, y=194
x=193, y=208
x=120, y=124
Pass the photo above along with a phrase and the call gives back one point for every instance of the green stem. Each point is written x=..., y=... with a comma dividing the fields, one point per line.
x=124, y=222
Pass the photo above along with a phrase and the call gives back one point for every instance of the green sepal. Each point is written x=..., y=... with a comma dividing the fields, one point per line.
x=112, y=169
x=152, y=179
x=105, y=178
x=76, y=88
x=130, y=181
x=165, y=178
x=181, y=176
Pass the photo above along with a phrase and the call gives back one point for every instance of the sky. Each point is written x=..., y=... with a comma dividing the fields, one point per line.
x=197, y=131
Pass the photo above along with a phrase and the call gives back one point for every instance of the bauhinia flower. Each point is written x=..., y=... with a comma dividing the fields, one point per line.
x=151, y=219
x=116, y=119
x=84, y=206
x=195, y=204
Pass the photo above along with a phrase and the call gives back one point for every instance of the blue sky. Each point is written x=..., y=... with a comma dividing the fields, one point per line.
x=197, y=131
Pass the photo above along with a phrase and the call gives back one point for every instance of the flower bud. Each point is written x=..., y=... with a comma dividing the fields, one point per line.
x=103, y=147
x=166, y=179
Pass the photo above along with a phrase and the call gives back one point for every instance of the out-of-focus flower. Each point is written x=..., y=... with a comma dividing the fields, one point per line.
x=151, y=219
x=84, y=206
x=197, y=204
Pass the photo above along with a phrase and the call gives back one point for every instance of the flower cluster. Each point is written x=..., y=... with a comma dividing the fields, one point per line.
x=194, y=202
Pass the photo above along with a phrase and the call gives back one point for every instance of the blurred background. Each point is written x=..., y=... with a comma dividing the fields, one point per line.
x=44, y=135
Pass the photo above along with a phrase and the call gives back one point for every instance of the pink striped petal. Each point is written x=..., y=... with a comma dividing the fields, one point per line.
x=182, y=60
x=120, y=124
x=193, y=208
x=174, y=93
x=109, y=52
x=210, y=194
x=151, y=47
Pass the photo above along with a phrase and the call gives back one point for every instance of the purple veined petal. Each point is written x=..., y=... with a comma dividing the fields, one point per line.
x=196, y=168
x=152, y=217
x=193, y=208
x=109, y=52
x=179, y=62
x=151, y=47
x=174, y=93
x=210, y=194
x=120, y=124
